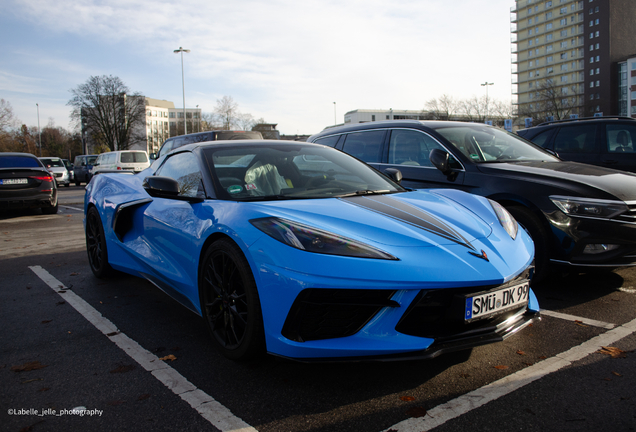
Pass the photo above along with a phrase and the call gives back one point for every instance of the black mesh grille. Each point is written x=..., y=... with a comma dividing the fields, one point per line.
x=333, y=313
x=439, y=313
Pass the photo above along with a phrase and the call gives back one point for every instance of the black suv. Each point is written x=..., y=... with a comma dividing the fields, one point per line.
x=577, y=214
x=603, y=141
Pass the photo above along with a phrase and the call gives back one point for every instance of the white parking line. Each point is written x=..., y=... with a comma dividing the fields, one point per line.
x=463, y=404
x=219, y=416
x=72, y=208
x=581, y=320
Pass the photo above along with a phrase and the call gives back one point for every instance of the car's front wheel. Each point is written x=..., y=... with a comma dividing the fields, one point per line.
x=96, y=245
x=540, y=237
x=229, y=302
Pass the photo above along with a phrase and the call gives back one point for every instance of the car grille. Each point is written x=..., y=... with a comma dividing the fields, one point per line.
x=58, y=174
x=439, y=313
x=629, y=215
x=332, y=313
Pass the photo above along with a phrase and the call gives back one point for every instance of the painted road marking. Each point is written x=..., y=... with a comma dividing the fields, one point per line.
x=573, y=318
x=463, y=404
x=218, y=415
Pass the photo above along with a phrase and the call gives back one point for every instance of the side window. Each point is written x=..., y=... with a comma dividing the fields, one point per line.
x=576, y=139
x=411, y=147
x=621, y=138
x=328, y=141
x=183, y=167
x=542, y=139
x=366, y=146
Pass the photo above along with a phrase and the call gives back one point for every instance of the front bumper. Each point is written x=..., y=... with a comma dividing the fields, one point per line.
x=572, y=236
x=329, y=325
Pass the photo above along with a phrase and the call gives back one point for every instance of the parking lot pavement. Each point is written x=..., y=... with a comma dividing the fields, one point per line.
x=84, y=367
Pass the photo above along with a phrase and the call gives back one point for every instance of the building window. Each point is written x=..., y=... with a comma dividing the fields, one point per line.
x=597, y=34
x=548, y=48
x=596, y=9
x=549, y=60
x=548, y=26
x=564, y=33
x=598, y=70
x=563, y=21
x=530, y=42
x=591, y=84
x=564, y=44
x=597, y=46
x=564, y=56
x=591, y=71
x=596, y=21
x=598, y=83
x=563, y=10
x=548, y=4
x=591, y=59
x=549, y=70
x=548, y=15
x=549, y=37
x=592, y=35
x=598, y=58
x=591, y=47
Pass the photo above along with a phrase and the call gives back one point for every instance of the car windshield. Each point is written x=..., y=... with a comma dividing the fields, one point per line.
x=19, y=162
x=483, y=144
x=91, y=160
x=259, y=172
x=52, y=163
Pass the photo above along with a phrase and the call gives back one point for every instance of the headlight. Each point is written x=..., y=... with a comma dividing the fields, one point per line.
x=505, y=219
x=311, y=239
x=585, y=207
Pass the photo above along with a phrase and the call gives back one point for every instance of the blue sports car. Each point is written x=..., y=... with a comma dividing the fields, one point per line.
x=305, y=252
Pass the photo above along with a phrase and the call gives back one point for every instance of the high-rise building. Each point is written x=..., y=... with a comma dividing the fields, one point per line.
x=566, y=56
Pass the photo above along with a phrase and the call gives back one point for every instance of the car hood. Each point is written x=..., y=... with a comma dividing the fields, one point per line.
x=587, y=180
x=420, y=218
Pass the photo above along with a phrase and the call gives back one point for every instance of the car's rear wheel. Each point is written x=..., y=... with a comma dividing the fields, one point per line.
x=52, y=209
x=540, y=237
x=229, y=302
x=96, y=245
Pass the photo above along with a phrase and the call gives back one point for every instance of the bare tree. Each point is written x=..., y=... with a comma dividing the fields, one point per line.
x=227, y=110
x=443, y=108
x=552, y=100
x=110, y=116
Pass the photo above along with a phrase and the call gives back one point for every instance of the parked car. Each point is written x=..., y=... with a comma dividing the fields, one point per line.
x=178, y=141
x=122, y=160
x=578, y=215
x=603, y=141
x=69, y=168
x=82, y=168
x=57, y=167
x=304, y=252
x=26, y=183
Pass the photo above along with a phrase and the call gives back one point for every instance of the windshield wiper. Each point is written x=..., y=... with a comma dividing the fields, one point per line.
x=365, y=192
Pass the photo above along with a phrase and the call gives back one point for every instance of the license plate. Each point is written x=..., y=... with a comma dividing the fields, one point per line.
x=13, y=181
x=486, y=304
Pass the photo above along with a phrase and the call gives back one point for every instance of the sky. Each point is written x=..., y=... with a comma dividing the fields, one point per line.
x=286, y=61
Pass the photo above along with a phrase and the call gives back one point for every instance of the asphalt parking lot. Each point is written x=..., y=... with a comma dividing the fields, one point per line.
x=127, y=357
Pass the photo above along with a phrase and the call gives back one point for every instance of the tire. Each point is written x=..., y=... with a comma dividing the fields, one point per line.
x=96, y=245
x=540, y=236
x=77, y=182
x=51, y=209
x=230, y=305
x=67, y=184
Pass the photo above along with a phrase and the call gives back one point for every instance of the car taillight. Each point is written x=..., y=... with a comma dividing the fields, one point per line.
x=118, y=168
x=43, y=178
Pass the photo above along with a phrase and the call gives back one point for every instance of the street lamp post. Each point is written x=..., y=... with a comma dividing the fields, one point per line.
x=335, y=121
x=185, y=122
x=486, y=84
x=39, y=131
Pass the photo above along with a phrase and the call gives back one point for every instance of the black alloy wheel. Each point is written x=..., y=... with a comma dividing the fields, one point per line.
x=540, y=237
x=229, y=302
x=96, y=245
x=52, y=209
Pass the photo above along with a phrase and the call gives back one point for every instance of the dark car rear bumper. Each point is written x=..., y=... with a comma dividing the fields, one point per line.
x=17, y=203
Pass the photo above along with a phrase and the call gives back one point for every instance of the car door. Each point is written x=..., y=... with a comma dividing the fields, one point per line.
x=578, y=143
x=619, y=146
x=408, y=150
x=174, y=228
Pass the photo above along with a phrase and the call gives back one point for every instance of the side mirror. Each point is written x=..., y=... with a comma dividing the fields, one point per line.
x=166, y=187
x=439, y=158
x=161, y=187
x=395, y=174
